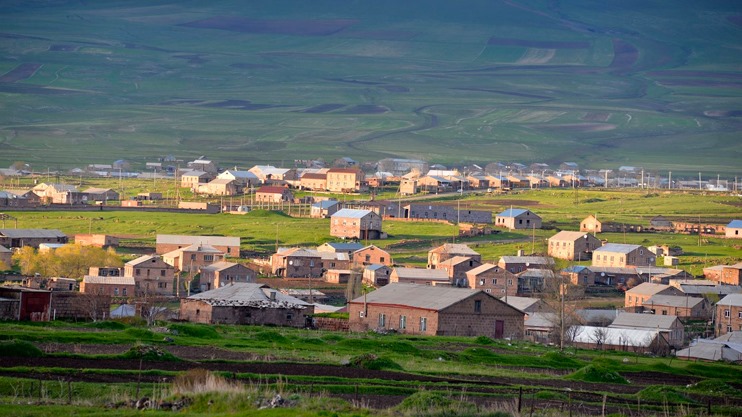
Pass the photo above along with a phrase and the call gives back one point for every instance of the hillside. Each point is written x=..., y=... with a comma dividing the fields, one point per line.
x=616, y=83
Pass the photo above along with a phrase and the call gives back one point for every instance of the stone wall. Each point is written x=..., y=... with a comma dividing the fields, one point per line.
x=331, y=324
x=77, y=306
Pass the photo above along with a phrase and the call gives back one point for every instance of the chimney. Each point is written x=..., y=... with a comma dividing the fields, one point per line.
x=273, y=295
x=521, y=252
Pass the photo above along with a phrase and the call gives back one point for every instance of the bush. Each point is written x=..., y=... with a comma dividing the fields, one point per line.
x=371, y=361
x=597, y=373
x=483, y=340
x=19, y=349
x=197, y=381
x=427, y=403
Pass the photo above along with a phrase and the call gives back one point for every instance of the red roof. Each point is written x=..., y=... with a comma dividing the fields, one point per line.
x=313, y=176
x=344, y=170
x=271, y=190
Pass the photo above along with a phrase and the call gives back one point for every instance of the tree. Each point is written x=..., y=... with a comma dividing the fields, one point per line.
x=599, y=335
x=560, y=294
x=71, y=261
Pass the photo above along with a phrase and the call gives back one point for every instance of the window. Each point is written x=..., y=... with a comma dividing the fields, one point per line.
x=494, y=281
x=137, y=272
x=664, y=312
x=193, y=256
x=477, y=306
x=208, y=258
x=510, y=282
x=361, y=315
x=729, y=329
x=481, y=281
x=123, y=292
x=162, y=273
x=726, y=313
x=289, y=317
x=162, y=285
x=381, y=259
x=116, y=292
x=402, y=322
x=423, y=324
x=382, y=320
x=488, y=291
x=739, y=315
x=368, y=258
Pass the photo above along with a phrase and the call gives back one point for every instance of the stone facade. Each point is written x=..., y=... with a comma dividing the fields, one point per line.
x=493, y=280
x=621, y=255
x=371, y=255
x=98, y=240
x=152, y=276
x=220, y=274
x=450, y=250
x=729, y=314
x=518, y=219
x=732, y=275
x=356, y=224
x=297, y=263
x=451, y=213
x=77, y=306
x=573, y=246
x=345, y=180
x=197, y=311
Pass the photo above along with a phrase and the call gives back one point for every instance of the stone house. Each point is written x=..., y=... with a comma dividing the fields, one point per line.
x=408, y=186
x=97, y=240
x=313, y=181
x=324, y=209
x=246, y=304
x=734, y=229
x=532, y=281
x=345, y=180
x=493, y=280
x=517, y=264
x=219, y=186
x=110, y=286
x=419, y=276
x=685, y=307
x=450, y=250
x=638, y=295
x=498, y=181
x=591, y=224
x=192, y=179
x=100, y=194
x=297, y=263
x=573, y=246
x=18, y=238
x=728, y=315
x=229, y=245
x=376, y=275
x=268, y=174
x=457, y=267
x=193, y=257
x=670, y=326
x=338, y=276
x=243, y=179
x=434, y=184
x=9, y=198
x=731, y=274
x=623, y=255
x=356, y=224
x=273, y=194
x=371, y=255
x=151, y=275
x=203, y=165
x=427, y=310
x=58, y=194
x=340, y=247
x=449, y=213
x=478, y=182
x=224, y=273
x=518, y=219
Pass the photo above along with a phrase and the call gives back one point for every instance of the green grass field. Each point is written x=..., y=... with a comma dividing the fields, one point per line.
x=643, y=84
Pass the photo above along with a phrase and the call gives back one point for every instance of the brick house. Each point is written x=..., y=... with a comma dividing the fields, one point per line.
x=340, y=247
x=230, y=245
x=457, y=267
x=728, y=314
x=449, y=250
x=419, y=276
x=408, y=186
x=273, y=194
x=518, y=219
x=573, y=246
x=193, y=257
x=622, y=255
x=638, y=295
x=670, y=326
x=370, y=255
x=345, y=180
x=493, y=280
x=223, y=273
x=18, y=238
x=313, y=181
x=219, y=186
x=243, y=179
x=579, y=275
x=111, y=286
x=356, y=224
x=297, y=263
x=734, y=229
x=151, y=275
x=434, y=184
x=478, y=181
x=11, y=198
x=100, y=194
x=685, y=307
x=591, y=224
x=268, y=174
x=97, y=240
x=192, y=179
x=450, y=213
x=517, y=264
x=731, y=274
x=444, y=311
x=498, y=181
x=376, y=275
x=324, y=209
x=58, y=194
x=247, y=304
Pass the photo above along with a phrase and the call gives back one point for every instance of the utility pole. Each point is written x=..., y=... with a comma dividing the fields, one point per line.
x=669, y=180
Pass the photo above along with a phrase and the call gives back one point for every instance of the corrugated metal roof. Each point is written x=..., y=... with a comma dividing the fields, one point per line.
x=618, y=248
x=374, y=267
x=647, y=288
x=94, y=279
x=422, y=274
x=644, y=321
x=711, y=289
x=418, y=296
x=454, y=248
x=533, y=260
x=325, y=204
x=271, y=189
x=341, y=246
x=248, y=295
x=190, y=240
x=612, y=336
x=541, y=320
x=521, y=303
x=352, y=213
x=731, y=300
x=674, y=301
x=3, y=249
x=31, y=233
x=218, y=266
x=512, y=212
x=735, y=224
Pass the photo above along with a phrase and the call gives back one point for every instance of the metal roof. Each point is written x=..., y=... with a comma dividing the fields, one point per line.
x=31, y=233
x=342, y=246
x=374, y=267
x=735, y=224
x=189, y=240
x=218, y=266
x=455, y=260
x=454, y=248
x=325, y=204
x=418, y=296
x=731, y=300
x=712, y=350
x=521, y=303
x=352, y=213
x=533, y=260
x=145, y=258
x=618, y=248
x=248, y=295
x=648, y=288
x=613, y=336
x=422, y=274
x=711, y=289
x=512, y=212
x=674, y=301
x=644, y=321
x=541, y=320
x=94, y=279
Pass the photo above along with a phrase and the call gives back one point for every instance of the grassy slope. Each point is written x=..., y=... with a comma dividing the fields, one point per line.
x=504, y=102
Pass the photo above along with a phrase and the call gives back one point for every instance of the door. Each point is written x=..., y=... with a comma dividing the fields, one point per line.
x=499, y=329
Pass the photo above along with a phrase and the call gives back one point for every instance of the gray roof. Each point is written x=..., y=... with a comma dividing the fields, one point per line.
x=352, y=213
x=674, y=301
x=534, y=260
x=341, y=246
x=325, y=204
x=94, y=279
x=613, y=336
x=731, y=300
x=735, y=336
x=629, y=270
x=541, y=320
x=712, y=350
x=454, y=248
x=190, y=240
x=248, y=295
x=31, y=233
x=643, y=321
x=648, y=288
x=522, y=303
x=512, y=212
x=218, y=266
x=422, y=273
x=375, y=267
x=618, y=248
x=711, y=289
x=418, y=296
x=482, y=269
x=593, y=315
x=196, y=248
x=3, y=249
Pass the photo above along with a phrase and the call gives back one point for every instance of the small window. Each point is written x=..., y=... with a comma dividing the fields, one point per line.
x=481, y=281
x=381, y=259
x=137, y=272
x=123, y=292
x=477, y=306
x=423, y=324
x=382, y=320
x=289, y=317
x=402, y=322
x=726, y=313
x=162, y=273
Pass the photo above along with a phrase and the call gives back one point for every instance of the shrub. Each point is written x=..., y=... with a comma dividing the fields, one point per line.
x=714, y=387
x=429, y=404
x=371, y=361
x=597, y=373
x=19, y=349
x=332, y=338
x=140, y=333
x=483, y=340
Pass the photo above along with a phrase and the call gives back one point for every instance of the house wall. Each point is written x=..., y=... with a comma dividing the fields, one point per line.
x=208, y=280
x=437, y=256
x=367, y=227
x=392, y=314
x=450, y=213
x=371, y=255
x=580, y=249
x=101, y=241
x=637, y=257
x=337, y=277
x=110, y=290
x=496, y=281
x=700, y=311
x=731, y=275
x=379, y=277
x=591, y=225
x=526, y=220
x=77, y=306
x=632, y=299
x=457, y=273
x=461, y=319
x=344, y=180
x=162, y=248
x=315, y=184
x=728, y=319
x=200, y=312
x=300, y=267
x=30, y=241
x=733, y=232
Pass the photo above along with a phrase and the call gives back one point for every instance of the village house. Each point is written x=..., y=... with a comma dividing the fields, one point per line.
x=192, y=179
x=100, y=194
x=376, y=275
x=628, y=340
x=335, y=260
x=356, y=224
x=419, y=276
x=451, y=213
x=324, y=209
x=109, y=286
x=728, y=315
x=193, y=257
x=591, y=224
x=18, y=238
x=670, y=326
x=340, y=247
x=528, y=305
x=224, y=273
x=24, y=304
x=579, y=275
x=313, y=181
x=242, y=179
x=151, y=275
x=518, y=219
x=532, y=281
x=339, y=276
x=683, y=306
x=449, y=250
x=219, y=186
x=203, y=165
x=371, y=255
x=727, y=347
x=14, y=198
x=246, y=304
x=345, y=180
x=730, y=274
x=573, y=246
x=457, y=267
x=518, y=181
x=58, y=194
x=408, y=186
x=434, y=184
x=517, y=264
x=622, y=255
x=493, y=280
x=97, y=240
x=268, y=174
x=734, y=229
x=637, y=296
x=498, y=181
x=230, y=245
x=273, y=194
x=297, y=263
x=444, y=311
